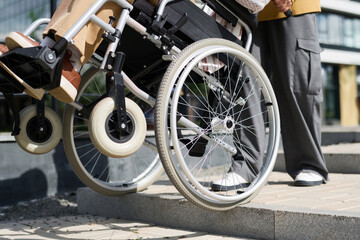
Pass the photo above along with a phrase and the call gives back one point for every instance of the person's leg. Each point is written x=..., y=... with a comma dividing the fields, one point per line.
x=249, y=138
x=249, y=141
x=90, y=36
x=297, y=83
x=250, y=158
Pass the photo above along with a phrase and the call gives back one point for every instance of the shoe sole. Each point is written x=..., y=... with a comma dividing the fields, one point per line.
x=217, y=188
x=14, y=40
x=307, y=183
x=66, y=92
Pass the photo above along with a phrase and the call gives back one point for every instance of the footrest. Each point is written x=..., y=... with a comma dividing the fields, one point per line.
x=6, y=85
x=31, y=69
x=11, y=83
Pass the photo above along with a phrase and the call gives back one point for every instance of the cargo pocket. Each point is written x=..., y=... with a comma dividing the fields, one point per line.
x=307, y=75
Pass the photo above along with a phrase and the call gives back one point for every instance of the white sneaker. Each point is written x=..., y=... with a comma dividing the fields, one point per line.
x=230, y=181
x=308, y=179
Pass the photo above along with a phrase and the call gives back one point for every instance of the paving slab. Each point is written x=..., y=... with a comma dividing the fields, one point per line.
x=337, y=134
x=279, y=211
x=95, y=227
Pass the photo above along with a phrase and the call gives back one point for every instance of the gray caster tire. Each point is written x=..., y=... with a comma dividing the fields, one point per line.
x=37, y=141
x=104, y=136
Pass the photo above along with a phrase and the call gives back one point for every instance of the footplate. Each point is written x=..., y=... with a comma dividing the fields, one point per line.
x=7, y=86
x=11, y=83
x=30, y=69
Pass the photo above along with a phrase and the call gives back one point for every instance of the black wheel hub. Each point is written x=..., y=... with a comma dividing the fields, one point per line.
x=119, y=135
x=39, y=135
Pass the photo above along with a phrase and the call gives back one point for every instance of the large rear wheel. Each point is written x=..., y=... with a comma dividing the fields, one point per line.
x=216, y=113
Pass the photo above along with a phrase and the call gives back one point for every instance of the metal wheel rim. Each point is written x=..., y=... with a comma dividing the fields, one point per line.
x=214, y=198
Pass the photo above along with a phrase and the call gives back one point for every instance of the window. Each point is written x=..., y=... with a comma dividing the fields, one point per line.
x=17, y=15
x=338, y=30
x=331, y=107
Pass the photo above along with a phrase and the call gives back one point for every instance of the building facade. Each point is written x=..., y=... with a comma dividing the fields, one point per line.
x=16, y=15
x=339, y=36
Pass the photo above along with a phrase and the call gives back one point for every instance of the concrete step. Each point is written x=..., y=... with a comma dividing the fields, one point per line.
x=340, y=158
x=331, y=135
x=95, y=227
x=336, y=134
x=279, y=211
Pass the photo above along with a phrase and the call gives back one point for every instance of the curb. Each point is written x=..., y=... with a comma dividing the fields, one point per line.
x=251, y=220
x=340, y=158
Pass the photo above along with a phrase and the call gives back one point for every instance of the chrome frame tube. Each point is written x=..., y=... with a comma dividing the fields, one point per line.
x=120, y=26
x=249, y=34
x=102, y=24
x=69, y=35
x=35, y=25
x=137, y=91
x=142, y=31
x=161, y=7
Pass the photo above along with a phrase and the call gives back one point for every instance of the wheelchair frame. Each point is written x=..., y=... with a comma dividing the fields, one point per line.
x=126, y=19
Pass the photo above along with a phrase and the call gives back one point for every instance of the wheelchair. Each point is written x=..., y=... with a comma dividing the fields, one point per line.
x=169, y=88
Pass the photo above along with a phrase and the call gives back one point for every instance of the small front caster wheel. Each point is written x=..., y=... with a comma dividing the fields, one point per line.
x=110, y=141
x=36, y=139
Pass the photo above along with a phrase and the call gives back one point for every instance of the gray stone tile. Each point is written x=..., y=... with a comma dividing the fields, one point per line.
x=305, y=226
x=89, y=227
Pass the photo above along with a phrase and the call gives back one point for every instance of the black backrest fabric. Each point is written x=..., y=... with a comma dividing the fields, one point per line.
x=199, y=26
x=141, y=52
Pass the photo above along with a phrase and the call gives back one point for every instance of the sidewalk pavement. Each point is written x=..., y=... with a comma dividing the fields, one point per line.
x=340, y=194
x=92, y=227
x=279, y=211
